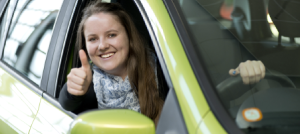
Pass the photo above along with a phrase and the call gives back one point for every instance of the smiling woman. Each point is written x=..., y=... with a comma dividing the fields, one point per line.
x=123, y=73
x=107, y=43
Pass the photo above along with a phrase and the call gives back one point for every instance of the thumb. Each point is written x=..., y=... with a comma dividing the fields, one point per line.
x=234, y=72
x=84, y=60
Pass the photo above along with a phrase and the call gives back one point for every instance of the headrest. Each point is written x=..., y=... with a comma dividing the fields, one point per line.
x=285, y=15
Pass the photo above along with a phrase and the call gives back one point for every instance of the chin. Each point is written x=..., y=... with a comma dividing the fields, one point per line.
x=108, y=70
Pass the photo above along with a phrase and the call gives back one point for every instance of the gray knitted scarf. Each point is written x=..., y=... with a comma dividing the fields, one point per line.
x=112, y=92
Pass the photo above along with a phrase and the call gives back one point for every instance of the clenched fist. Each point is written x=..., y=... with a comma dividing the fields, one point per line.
x=79, y=79
x=250, y=71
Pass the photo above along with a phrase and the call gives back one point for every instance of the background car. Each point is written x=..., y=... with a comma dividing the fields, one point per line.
x=196, y=42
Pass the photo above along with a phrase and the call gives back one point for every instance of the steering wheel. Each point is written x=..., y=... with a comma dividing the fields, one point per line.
x=233, y=87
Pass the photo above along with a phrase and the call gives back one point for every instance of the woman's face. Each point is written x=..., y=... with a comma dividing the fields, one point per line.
x=107, y=43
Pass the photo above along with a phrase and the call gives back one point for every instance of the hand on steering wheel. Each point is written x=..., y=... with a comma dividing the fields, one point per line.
x=250, y=71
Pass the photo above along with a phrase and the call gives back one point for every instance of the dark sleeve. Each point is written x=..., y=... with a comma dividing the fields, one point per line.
x=78, y=104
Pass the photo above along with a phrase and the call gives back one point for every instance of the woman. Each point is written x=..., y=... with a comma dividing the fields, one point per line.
x=123, y=70
x=123, y=74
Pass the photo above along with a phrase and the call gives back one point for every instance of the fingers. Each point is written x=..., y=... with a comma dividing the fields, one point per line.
x=76, y=72
x=258, y=73
x=252, y=71
x=76, y=80
x=244, y=73
x=79, y=79
x=77, y=76
x=74, y=86
x=75, y=91
x=84, y=60
x=262, y=68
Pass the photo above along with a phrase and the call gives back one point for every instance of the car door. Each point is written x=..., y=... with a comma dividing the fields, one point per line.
x=19, y=95
x=51, y=117
x=28, y=31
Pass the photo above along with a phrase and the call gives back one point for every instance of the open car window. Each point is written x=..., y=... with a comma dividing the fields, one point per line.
x=226, y=33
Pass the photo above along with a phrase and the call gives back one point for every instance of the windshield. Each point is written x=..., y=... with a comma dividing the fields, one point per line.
x=228, y=32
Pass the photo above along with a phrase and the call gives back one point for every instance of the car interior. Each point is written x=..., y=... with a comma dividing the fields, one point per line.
x=247, y=35
x=72, y=59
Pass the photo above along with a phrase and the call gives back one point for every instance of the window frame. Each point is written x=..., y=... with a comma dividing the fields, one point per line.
x=9, y=19
x=58, y=41
x=56, y=56
x=201, y=74
x=68, y=47
x=171, y=102
x=3, y=4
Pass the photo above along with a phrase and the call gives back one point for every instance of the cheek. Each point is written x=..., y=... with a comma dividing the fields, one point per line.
x=127, y=50
x=125, y=45
x=91, y=49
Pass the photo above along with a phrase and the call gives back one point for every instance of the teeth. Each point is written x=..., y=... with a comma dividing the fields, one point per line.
x=107, y=55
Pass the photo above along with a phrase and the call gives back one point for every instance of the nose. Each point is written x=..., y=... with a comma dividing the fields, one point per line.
x=103, y=45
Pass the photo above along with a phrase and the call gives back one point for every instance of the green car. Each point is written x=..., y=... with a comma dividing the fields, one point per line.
x=197, y=42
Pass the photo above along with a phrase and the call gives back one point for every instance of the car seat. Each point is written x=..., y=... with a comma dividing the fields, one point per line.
x=285, y=15
x=250, y=20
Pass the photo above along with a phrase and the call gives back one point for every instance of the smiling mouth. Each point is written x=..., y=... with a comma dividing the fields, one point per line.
x=107, y=55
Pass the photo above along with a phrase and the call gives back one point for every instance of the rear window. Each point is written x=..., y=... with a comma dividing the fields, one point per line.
x=228, y=32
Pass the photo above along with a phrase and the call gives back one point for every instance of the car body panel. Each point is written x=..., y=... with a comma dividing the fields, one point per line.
x=50, y=120
x=210, y=125
x=113, y=121
x=191, y=99
x=19, y=104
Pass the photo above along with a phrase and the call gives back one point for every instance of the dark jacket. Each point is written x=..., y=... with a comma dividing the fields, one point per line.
x=78, y=104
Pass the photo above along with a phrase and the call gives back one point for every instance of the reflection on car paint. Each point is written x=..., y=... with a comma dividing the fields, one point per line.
x=50, y=120
x=19, y=104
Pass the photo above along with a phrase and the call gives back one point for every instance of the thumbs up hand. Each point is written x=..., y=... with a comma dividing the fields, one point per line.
x=250, y=71
x=79, y=79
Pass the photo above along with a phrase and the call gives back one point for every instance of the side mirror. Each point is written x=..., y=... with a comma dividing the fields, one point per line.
x=112, y=121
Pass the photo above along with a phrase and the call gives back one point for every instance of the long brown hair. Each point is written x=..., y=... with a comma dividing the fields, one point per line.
x=140, y=67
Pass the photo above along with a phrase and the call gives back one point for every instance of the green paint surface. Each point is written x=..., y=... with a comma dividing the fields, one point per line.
x=112, y=121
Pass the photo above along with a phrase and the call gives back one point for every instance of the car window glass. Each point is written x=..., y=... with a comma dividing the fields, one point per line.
x=228, y=32
x=4, y=22
x=29, y=36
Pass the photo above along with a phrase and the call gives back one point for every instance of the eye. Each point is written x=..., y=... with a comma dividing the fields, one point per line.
x=112, y=35
x=92, y=39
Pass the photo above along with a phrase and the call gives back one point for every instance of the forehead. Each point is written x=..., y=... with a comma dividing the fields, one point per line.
x=102, y=20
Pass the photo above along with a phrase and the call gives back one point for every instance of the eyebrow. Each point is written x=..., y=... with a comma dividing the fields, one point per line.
x=91, y=35
x=112, y=30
